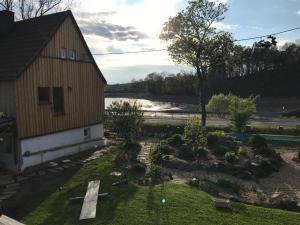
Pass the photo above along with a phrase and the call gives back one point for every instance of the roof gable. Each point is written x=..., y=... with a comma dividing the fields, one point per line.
x=19, y=48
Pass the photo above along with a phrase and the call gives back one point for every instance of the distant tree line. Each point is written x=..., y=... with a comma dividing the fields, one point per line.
x=268, y=72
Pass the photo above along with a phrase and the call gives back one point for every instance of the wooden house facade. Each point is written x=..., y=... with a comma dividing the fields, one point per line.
x=50, y=87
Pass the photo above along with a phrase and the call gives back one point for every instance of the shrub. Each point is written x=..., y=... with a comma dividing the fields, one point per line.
x=176, y=140
x=264, y=151
x=185, y=152
x=138, y=168
x=225, y=144
x=219, y=104
x=241, y=110
x=213, y=138
x=155, y=172
x=163, y=147
x=243, y=151
x=201, y=153
x=132, y=149
x=227, y=184
x=231, y=157
x=264, y=169
x=257, y=141
x=125, y=119
x=194, y=133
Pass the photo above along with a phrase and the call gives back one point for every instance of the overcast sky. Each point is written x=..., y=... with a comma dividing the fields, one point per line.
x=133, y=25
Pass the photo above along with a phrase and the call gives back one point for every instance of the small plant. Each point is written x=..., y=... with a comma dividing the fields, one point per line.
x=257, y=141
x=214, y=137
x=243, y=151
x=194, y=133
x=227, y=184
x=241, y=110
x=138, y=168
x=155, y=172
x=185, y=152
x=265, y=151
x=176, y=140
x=163, y=147
x=231, y=157
x=200, y=153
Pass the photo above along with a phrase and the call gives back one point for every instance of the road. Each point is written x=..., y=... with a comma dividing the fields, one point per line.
x=258, y=121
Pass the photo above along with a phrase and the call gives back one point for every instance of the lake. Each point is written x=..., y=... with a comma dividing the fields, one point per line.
x=150, y=105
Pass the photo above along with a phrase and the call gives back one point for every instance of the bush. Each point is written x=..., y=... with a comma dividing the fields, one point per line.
x=219, y=104
x=264, y=151
x=132, y=149
x=213, y=138
x=225, y=144
x=125, y=119
x=163, y=147
x=138, y=168
x=264, y=169
x=194, y=133
x=155, y=172
x=241, y=110
x=231, y=157
x=176, y=140
x=243, y=151
x=185, y=152
x=201, y=153
x=227, y=184
x=257, y=141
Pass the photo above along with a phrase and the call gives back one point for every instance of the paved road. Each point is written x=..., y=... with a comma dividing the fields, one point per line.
x=261, y=121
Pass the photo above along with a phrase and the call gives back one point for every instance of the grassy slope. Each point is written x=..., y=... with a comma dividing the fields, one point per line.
x=131, y=204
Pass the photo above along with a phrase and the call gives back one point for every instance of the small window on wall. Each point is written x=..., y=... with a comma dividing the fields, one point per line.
x=63, y=53
x=72, y=54
x=44, y=95
x=87, y=133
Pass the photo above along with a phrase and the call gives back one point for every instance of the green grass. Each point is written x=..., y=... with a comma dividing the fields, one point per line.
x=130, y=204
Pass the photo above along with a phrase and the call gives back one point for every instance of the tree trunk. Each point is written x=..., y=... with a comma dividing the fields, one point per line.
x=202, y=96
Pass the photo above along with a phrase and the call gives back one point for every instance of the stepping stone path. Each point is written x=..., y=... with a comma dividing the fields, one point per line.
x=11, y=185
x=144, y=155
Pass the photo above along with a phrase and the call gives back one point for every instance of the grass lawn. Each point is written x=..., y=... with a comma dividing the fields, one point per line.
x=130, y=204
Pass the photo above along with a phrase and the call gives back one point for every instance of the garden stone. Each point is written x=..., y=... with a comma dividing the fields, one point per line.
x=66, y=161
x=13, y=185
x=19, y=179
x=42, y=173
x=52, y=164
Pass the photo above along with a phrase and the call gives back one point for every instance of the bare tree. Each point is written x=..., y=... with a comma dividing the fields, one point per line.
x=26, y=9
x=6, y=4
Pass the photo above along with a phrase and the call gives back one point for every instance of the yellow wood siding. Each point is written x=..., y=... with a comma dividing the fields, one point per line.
x=83, y=88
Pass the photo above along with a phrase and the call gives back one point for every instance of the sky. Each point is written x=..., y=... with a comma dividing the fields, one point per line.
x=132, y=25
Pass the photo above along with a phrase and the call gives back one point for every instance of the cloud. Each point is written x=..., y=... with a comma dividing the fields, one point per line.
x=223, y=26
x=111, y=31
x=83, y=15
x=298, y=12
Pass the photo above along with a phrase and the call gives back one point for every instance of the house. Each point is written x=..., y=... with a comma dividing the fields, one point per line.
x=51, y=91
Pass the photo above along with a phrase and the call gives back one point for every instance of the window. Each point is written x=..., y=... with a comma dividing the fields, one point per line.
x=72, y=54
x=87, y=133
x=44, y=95
x=58, y=101
x=63, y=53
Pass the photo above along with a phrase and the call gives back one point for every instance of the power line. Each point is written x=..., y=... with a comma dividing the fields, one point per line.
x=164, y=49
x=258, y=37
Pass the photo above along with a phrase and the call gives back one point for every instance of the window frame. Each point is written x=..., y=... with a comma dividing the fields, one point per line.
x=44, y=102
x=61, y=50
x=87, y=133
x=72, y=54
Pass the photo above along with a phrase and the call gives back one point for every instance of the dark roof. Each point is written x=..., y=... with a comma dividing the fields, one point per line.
x=25, y=42
x=292, y=113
